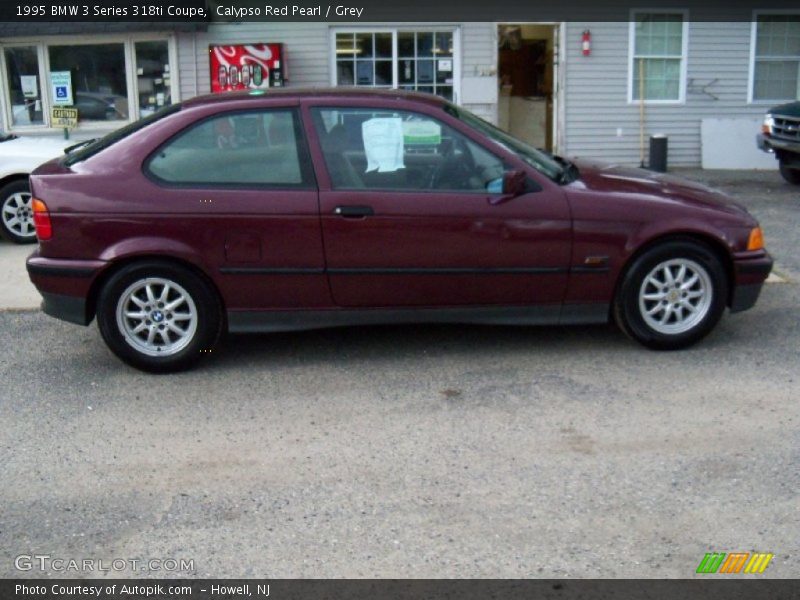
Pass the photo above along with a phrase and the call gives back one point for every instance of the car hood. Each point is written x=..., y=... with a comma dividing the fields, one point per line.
x=792, y=109
x=647, y=185
x=43, y=148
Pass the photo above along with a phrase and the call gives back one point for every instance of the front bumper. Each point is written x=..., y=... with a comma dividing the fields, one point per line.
x=65, y=286
x=770, y=144
x=750, y=270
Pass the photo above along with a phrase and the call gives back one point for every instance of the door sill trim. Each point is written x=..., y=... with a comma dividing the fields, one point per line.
x=298, y=320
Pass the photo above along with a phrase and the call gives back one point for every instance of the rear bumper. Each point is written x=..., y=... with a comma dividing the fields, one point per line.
x=65, y=286
x=66, y=308
x=750, y=272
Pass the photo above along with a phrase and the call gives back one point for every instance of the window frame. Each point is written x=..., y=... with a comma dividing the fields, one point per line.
x=394, y=30
x=307, y=174
x=751, y=76
x=127, y=41
x=6, y=115
x=684, y=57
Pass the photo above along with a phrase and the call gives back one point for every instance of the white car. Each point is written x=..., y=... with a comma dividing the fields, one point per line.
x=18, y=157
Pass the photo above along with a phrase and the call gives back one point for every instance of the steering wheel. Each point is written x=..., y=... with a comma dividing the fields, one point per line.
x=457, y=165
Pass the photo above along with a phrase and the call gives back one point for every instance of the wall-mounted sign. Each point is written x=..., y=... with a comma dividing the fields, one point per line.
x=63, y=117
x=61, y=86
x=246, y=67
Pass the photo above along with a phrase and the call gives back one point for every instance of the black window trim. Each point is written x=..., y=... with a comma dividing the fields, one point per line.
x=309, y=179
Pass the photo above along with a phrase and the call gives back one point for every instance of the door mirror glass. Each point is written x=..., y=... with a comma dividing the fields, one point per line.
x=513, y=183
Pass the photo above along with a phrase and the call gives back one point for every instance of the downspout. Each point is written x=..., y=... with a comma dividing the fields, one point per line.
x=194, y=58
x=641, y=112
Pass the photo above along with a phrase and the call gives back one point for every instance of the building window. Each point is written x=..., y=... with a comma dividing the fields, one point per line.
x=658, y=57
x=99, y=88
x=24, y=87
x=414, y=60
x=776, y=59
x=114, y=79
x=153, y=76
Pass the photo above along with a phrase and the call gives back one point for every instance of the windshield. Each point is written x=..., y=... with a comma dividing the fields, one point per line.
x=538, y=159
x=84, y=150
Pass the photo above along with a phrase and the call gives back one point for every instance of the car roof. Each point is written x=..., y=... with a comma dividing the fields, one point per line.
x=318, y=93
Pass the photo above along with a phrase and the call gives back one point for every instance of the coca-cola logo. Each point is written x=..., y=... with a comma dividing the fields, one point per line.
x=241, y=67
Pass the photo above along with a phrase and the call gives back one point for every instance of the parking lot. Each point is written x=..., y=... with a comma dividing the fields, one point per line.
x=415, y=451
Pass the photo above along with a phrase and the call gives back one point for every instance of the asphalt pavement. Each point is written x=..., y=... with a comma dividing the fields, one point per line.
x=435, y=451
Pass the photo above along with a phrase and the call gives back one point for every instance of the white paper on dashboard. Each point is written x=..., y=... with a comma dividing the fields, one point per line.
x=383, y=144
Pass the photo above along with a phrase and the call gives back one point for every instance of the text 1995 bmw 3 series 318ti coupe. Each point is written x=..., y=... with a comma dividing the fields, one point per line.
x=313, y=208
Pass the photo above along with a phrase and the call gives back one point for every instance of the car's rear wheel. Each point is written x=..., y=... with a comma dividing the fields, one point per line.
x=792, y=175
x=158, y=317
x=16, y=212
x=672, y=295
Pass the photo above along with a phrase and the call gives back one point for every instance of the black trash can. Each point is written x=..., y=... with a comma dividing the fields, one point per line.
x=658, y=153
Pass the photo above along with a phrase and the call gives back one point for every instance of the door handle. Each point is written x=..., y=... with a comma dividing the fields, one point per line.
x=354, y=212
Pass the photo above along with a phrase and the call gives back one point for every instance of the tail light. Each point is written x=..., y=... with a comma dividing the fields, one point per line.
x=41, y=219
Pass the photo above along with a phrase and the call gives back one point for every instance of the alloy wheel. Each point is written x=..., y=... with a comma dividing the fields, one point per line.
x=675, y=296
x=17, y=214
x=158, y=317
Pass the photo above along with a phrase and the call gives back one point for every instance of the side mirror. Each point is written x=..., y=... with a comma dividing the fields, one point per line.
x=513, y=183
x=513, y=186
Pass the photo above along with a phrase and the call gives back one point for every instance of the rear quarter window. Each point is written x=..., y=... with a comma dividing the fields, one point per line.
x=261, y=148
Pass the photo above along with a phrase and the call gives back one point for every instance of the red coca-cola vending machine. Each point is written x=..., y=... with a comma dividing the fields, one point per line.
x=246, y=67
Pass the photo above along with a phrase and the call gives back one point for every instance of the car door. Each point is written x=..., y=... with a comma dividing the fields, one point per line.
x=413, y=215
x=246, y=179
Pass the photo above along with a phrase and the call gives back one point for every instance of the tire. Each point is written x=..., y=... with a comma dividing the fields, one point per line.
x=16, y=213
x=155, y=332
x=666, y=315
x=790, y=175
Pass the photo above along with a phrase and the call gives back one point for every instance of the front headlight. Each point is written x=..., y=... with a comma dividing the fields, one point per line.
x=768, y=124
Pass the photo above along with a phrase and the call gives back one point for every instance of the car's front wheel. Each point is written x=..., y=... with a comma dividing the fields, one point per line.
x=672, y=295
x=16, y=212
x=791, y=175
x=158, y=317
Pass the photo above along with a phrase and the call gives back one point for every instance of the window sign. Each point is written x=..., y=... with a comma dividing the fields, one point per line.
x=29, y=87
x=421, y=133
x=64, y=117
x=61, y=84
x=383, y=144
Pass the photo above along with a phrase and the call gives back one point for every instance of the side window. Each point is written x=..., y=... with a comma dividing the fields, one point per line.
x=255, y=148
x=399, y=150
